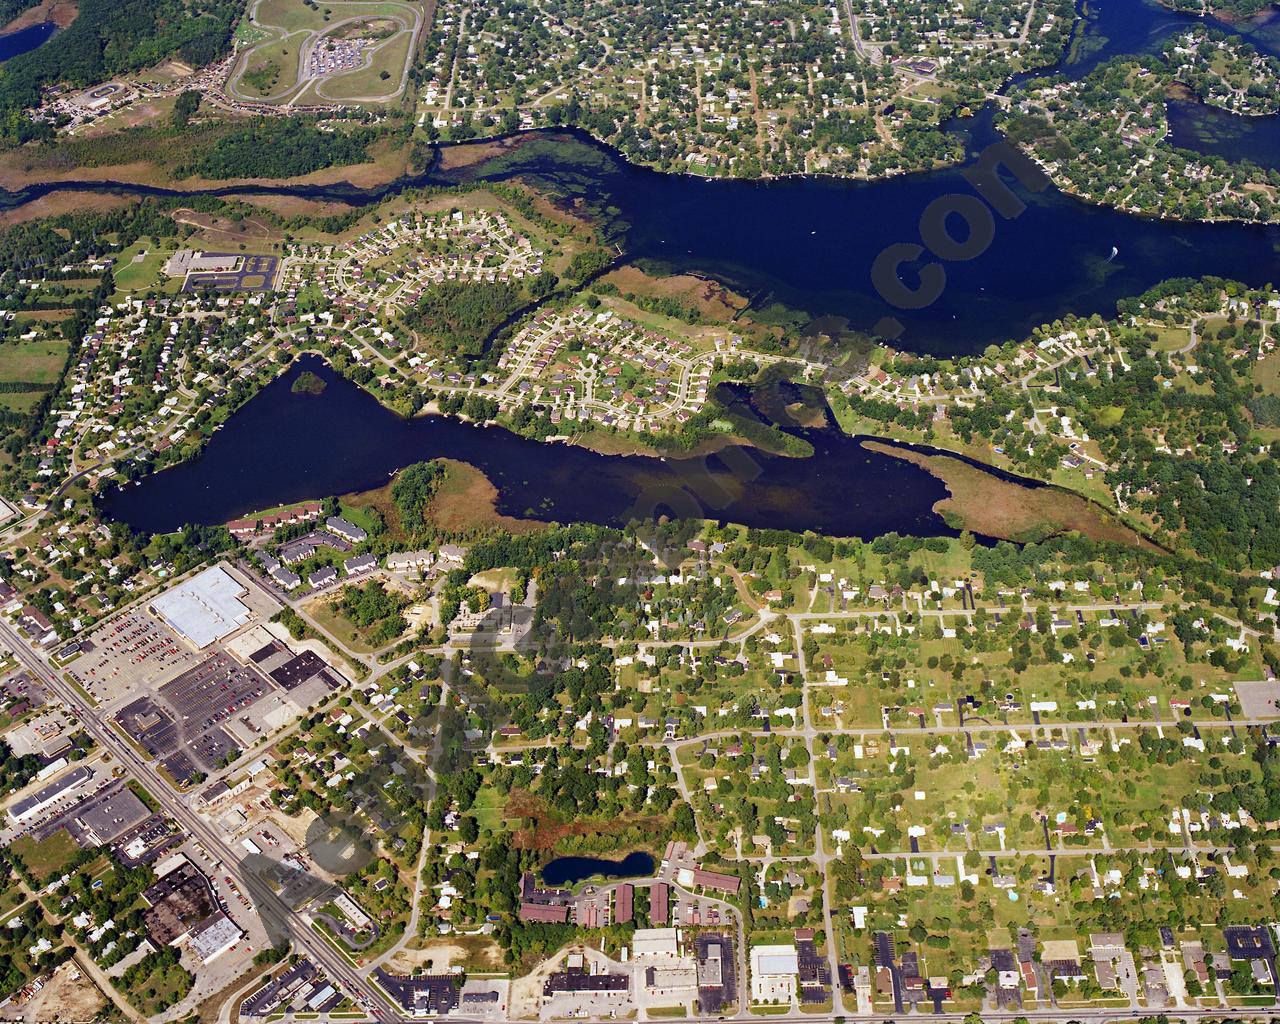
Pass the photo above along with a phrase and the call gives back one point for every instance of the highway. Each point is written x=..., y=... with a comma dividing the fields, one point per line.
x=304, y=937
x=342, y=971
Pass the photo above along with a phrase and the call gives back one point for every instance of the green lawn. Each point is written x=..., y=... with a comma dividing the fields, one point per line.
x=48, y=857
x=338, y=625
x=21, y=401
x=146, y=273
x=39, y=362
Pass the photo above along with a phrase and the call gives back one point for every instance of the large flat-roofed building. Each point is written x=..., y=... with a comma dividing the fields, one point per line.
x=100, y=821
x=773, y=973
x=46, y=797
x=195, y=261
x=205, y=608
x=655, y=943
x=674, y=979
x=580, y=981
x=214, y=936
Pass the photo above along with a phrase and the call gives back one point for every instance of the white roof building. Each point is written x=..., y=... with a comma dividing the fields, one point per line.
x=773, y=973
x=655, y=943
x=205, y=608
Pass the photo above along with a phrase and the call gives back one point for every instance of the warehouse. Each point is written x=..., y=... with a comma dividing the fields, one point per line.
x=205, y=608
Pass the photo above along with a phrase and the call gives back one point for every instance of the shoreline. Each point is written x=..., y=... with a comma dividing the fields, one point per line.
x=59, y=13
x=986, y=504
x=374, y=186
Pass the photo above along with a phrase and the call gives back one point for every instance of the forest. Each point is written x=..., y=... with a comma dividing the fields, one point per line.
x=108, y=38
x=281, y=148
x=461, y=315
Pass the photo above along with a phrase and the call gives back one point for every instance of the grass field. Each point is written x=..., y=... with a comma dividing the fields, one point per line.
x=20, y=401
x=290, y=15
x=390, y=56
x=48, y=857
x=281, y=56
x=39, y=362
x=135, y=275
x=1267, y=374
x=338, y=625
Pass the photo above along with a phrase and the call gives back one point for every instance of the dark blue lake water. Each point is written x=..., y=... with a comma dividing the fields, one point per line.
x=26, y=39
x=568, y=870
x=282, y=447
x=1216, y=132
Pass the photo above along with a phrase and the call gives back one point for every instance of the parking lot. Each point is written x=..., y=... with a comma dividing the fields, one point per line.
x=183, y=749
x=212, y=691
x=256, y=274
x=129, y=653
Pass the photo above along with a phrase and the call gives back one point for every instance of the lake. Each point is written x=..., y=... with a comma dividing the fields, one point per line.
x=810, y=243
x=568, y=870
x=282, y=447
x=1216, y=132
x=26, y=39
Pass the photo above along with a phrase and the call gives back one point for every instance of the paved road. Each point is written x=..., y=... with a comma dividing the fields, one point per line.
x=304, y=938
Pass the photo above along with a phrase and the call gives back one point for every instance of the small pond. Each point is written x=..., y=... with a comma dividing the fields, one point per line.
x=568, y=870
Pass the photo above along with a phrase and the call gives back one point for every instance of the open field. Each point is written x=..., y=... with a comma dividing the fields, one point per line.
x=466, y=501
x=338, y=625
x=709, y=299
x=987, y=505
x=142, y=268
x=283, y=34
x=214, y=230
x=45, y=858
x=20, y=401
x=38, y=362
x=272, y=72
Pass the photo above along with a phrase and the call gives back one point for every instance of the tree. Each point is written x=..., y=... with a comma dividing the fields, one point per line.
x=414, y=487
x=185, y=106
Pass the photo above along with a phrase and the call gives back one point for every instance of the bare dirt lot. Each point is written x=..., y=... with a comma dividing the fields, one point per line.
x=475, y=952
x=67, y=996
x=223, y=229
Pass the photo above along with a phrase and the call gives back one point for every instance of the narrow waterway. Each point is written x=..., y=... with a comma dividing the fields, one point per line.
x=811, y=244
x=282, y=447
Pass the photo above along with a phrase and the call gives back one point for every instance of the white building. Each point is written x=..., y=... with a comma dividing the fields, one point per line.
x=655, y=944
x=773, y=974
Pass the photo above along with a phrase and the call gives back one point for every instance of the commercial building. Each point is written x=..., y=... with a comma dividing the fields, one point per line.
x=205, y=608
x=102, y=820
x=773, y=974
x=655, y=944
x=44, y=798
x=214, y=936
